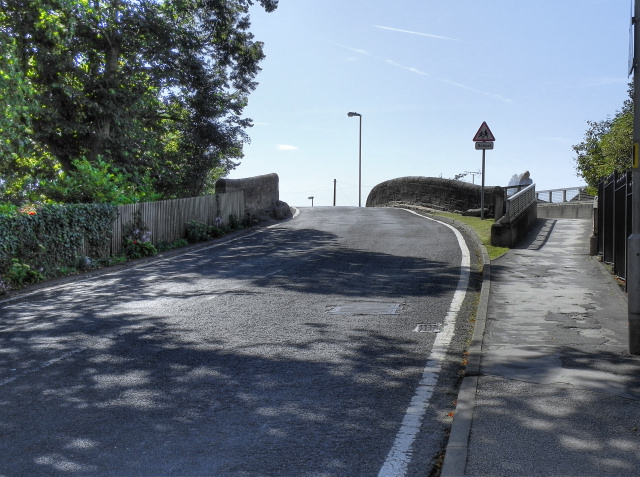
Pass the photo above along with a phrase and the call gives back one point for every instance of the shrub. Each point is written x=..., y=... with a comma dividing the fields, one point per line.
x=64, y=271
x=137, y=238
x=113, y=260
x=20, y=274
x=136, y=229
x=7, y=208
x=55, y=235
x=135, y=249
x=234, y=223
x=197, y=232
x=216, y=232
x=164, y=246
x=201, y=232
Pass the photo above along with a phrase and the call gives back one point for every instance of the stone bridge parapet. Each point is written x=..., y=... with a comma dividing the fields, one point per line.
x=433, y=192
x=261, y=195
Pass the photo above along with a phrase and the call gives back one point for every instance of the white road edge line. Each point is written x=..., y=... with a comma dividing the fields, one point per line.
x=399, y=457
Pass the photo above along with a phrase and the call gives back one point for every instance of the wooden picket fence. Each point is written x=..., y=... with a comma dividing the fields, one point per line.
x=167, y=219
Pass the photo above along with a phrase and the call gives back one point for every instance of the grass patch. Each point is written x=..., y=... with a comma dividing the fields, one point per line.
x=482, y=228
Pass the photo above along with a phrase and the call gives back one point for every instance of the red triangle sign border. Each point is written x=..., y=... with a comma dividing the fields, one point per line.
x=484, y=133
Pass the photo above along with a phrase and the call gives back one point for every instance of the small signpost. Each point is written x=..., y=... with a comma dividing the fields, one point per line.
x=484, y=140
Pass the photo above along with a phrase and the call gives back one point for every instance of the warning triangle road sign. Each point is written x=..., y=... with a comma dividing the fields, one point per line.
x=484, y=133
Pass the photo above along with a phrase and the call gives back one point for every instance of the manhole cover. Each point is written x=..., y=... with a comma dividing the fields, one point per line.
x=367, y=308
x=428, y=328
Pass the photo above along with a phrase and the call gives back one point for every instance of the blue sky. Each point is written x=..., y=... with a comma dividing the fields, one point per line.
x=425, y=74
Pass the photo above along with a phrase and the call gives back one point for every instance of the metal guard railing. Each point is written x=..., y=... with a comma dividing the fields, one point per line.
x=518, y=203
x=568, y=194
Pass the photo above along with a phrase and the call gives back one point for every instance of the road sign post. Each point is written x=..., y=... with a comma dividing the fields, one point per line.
x=484, y=140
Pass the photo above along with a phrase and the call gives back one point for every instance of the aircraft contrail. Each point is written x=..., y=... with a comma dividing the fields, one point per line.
x=416, y=33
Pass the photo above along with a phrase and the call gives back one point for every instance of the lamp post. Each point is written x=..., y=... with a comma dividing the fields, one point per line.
x=359, y=159
x=311, y=198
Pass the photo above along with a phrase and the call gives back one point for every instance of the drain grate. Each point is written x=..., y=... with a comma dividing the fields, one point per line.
x=428, y=328
x=367, y=308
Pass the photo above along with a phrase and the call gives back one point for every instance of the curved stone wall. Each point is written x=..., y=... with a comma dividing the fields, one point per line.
x=436, y=193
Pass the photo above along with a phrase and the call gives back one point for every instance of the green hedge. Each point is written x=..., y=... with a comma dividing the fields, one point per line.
x=51, y=236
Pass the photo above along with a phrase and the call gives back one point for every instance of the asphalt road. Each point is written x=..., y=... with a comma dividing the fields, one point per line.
x=290, y=351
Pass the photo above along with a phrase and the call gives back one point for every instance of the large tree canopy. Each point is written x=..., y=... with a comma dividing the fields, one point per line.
x=607, y=146
x=146, y=95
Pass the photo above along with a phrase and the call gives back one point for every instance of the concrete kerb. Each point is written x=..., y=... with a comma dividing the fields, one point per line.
x=608, y=273
x=455, y=459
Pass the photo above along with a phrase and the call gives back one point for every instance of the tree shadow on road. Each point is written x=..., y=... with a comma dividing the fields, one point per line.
x=135, y=399
x=128, y=391
x=576, y=427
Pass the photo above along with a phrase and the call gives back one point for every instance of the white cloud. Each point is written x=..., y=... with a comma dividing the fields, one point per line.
x=286, y=147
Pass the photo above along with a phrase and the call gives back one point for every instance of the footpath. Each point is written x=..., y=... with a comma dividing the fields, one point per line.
x=551, y=389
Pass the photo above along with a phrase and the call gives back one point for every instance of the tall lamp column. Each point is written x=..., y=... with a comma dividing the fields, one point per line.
x=359, y=159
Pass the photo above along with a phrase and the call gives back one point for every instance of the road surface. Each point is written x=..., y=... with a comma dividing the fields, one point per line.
x=311, y=348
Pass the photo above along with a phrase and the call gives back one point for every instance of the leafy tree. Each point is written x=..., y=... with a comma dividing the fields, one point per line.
x=155, y=90
x=607, y=146
x=95, y=182
x=20, y=155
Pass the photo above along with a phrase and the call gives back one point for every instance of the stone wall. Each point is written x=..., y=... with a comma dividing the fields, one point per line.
x=566, y=210
x=436, y=193
x=261, y=195
x=505, y=233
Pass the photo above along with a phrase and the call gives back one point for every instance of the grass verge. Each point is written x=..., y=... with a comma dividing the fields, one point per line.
x=482, y=228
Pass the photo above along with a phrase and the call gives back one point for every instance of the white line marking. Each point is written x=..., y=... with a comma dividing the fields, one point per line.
x=399, y=456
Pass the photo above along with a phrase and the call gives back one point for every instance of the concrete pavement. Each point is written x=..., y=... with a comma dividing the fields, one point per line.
x=551, y=389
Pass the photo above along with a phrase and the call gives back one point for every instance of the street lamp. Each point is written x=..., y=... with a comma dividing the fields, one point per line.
x=311, y=198
x=359, y=159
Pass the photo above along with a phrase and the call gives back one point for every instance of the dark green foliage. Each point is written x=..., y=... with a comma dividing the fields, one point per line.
x=112, y=260
x=137, y=238
x=96, y=182
x=153, y=90
x=136, y=229
x=215, y=232
x=607, y=146
x=7, y=208
x=201, y=232
x=20, y=274
x=197, y=232
x=134, y=249
x=234, y=223
x=51, y=236
x=165, y=246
